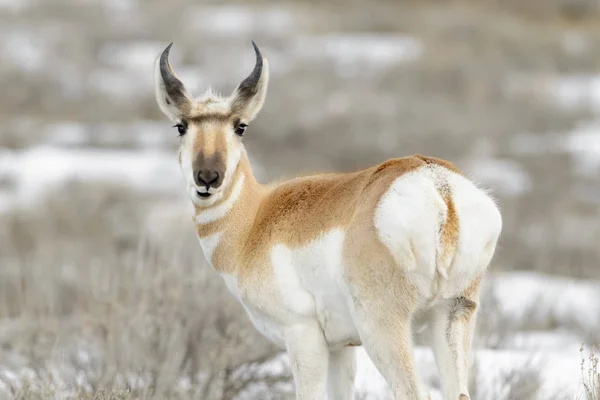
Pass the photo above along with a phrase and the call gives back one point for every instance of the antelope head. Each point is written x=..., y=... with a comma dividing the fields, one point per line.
x=210, y=127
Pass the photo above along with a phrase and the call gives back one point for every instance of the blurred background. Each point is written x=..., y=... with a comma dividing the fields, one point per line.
x=104, y=291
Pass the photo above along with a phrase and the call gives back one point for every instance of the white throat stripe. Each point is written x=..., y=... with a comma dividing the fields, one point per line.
x=219, y=211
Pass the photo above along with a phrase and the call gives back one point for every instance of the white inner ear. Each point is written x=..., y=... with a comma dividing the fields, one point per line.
x=160, y=91
x=253, y=106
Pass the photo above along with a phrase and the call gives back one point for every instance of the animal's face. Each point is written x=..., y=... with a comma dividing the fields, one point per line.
x=211, y=127
x=211, y=147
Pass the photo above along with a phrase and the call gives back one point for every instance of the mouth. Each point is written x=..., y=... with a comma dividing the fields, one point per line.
x=204, y=195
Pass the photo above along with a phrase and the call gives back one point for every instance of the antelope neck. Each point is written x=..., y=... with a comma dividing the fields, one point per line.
x=232, y=217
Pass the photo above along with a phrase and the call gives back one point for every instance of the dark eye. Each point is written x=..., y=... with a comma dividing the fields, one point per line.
x=181, y=128
x=240, y=129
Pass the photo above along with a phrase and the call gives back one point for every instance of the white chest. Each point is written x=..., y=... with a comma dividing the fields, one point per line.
x=308, y=285
x=261, y=317
x=310, y=281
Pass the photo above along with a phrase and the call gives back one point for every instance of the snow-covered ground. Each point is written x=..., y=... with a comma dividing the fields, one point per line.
x=540, y=320
x=522, y=300
x=552, y=360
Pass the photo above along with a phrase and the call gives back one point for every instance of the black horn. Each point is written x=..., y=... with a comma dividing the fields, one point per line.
x=173, y=86
x=249, y=86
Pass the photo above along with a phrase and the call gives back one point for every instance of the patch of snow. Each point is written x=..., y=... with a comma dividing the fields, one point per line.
x=38, y=169
x=494, y=371
x=543, y=340
x=558, y=371
x=351, y=52
x=567, y=91
x=144, y=134
x=23, y=49
x=584, y=143
x=505, y=176
x=67, y=132
x=577, y=91
x=241, y=21
x=121, y=84
x=129, y=85
x=528, y=298
x=137, y=56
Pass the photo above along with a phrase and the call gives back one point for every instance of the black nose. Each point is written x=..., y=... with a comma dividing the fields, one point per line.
x=207, y=178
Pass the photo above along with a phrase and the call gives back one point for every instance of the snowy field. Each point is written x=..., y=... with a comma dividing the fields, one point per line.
x=102, y=283
x=534, y=323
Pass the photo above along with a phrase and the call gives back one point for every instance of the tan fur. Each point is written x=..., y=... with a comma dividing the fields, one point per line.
x=450, y=229
x=440, y=162
x=471, y=298
x=210, y=142
x=259, y=237
x=210, y=106
x=298, y=210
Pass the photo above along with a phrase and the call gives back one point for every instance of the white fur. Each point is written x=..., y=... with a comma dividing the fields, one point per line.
x=313, y=316
x=231, y=283
x=309, y=280
x=170, y=110
x=296, y=298
x=220, y=210
x=341, y=373
x=449, y=353
x=186, y=157
x=209, y=244
x=234, y=154
x=309, y=358
x=313, y=311
x=407, y=220
x=480, y=225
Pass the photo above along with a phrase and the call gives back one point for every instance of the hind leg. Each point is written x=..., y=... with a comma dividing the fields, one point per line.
x=383, y=300
x=388, y=343
x=452, y=331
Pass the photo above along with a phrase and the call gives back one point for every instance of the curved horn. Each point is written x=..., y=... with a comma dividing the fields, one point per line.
x=173, y=86
x=250, y=86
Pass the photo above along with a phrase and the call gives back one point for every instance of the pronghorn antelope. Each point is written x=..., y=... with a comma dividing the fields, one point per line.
x=327, y=262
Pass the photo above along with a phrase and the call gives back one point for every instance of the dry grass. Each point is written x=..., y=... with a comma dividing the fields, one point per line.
x=87, y=306
x=590, y=376
x=95, y=305
x=521, y=383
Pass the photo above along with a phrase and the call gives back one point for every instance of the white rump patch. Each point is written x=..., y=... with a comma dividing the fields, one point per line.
x=407, y=221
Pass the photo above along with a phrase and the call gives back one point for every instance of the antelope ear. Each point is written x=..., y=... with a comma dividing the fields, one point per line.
x=249, y=97
x=171, y=95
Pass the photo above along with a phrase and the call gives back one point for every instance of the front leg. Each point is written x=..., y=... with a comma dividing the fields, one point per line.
x=309, y=356
x=342, y=370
